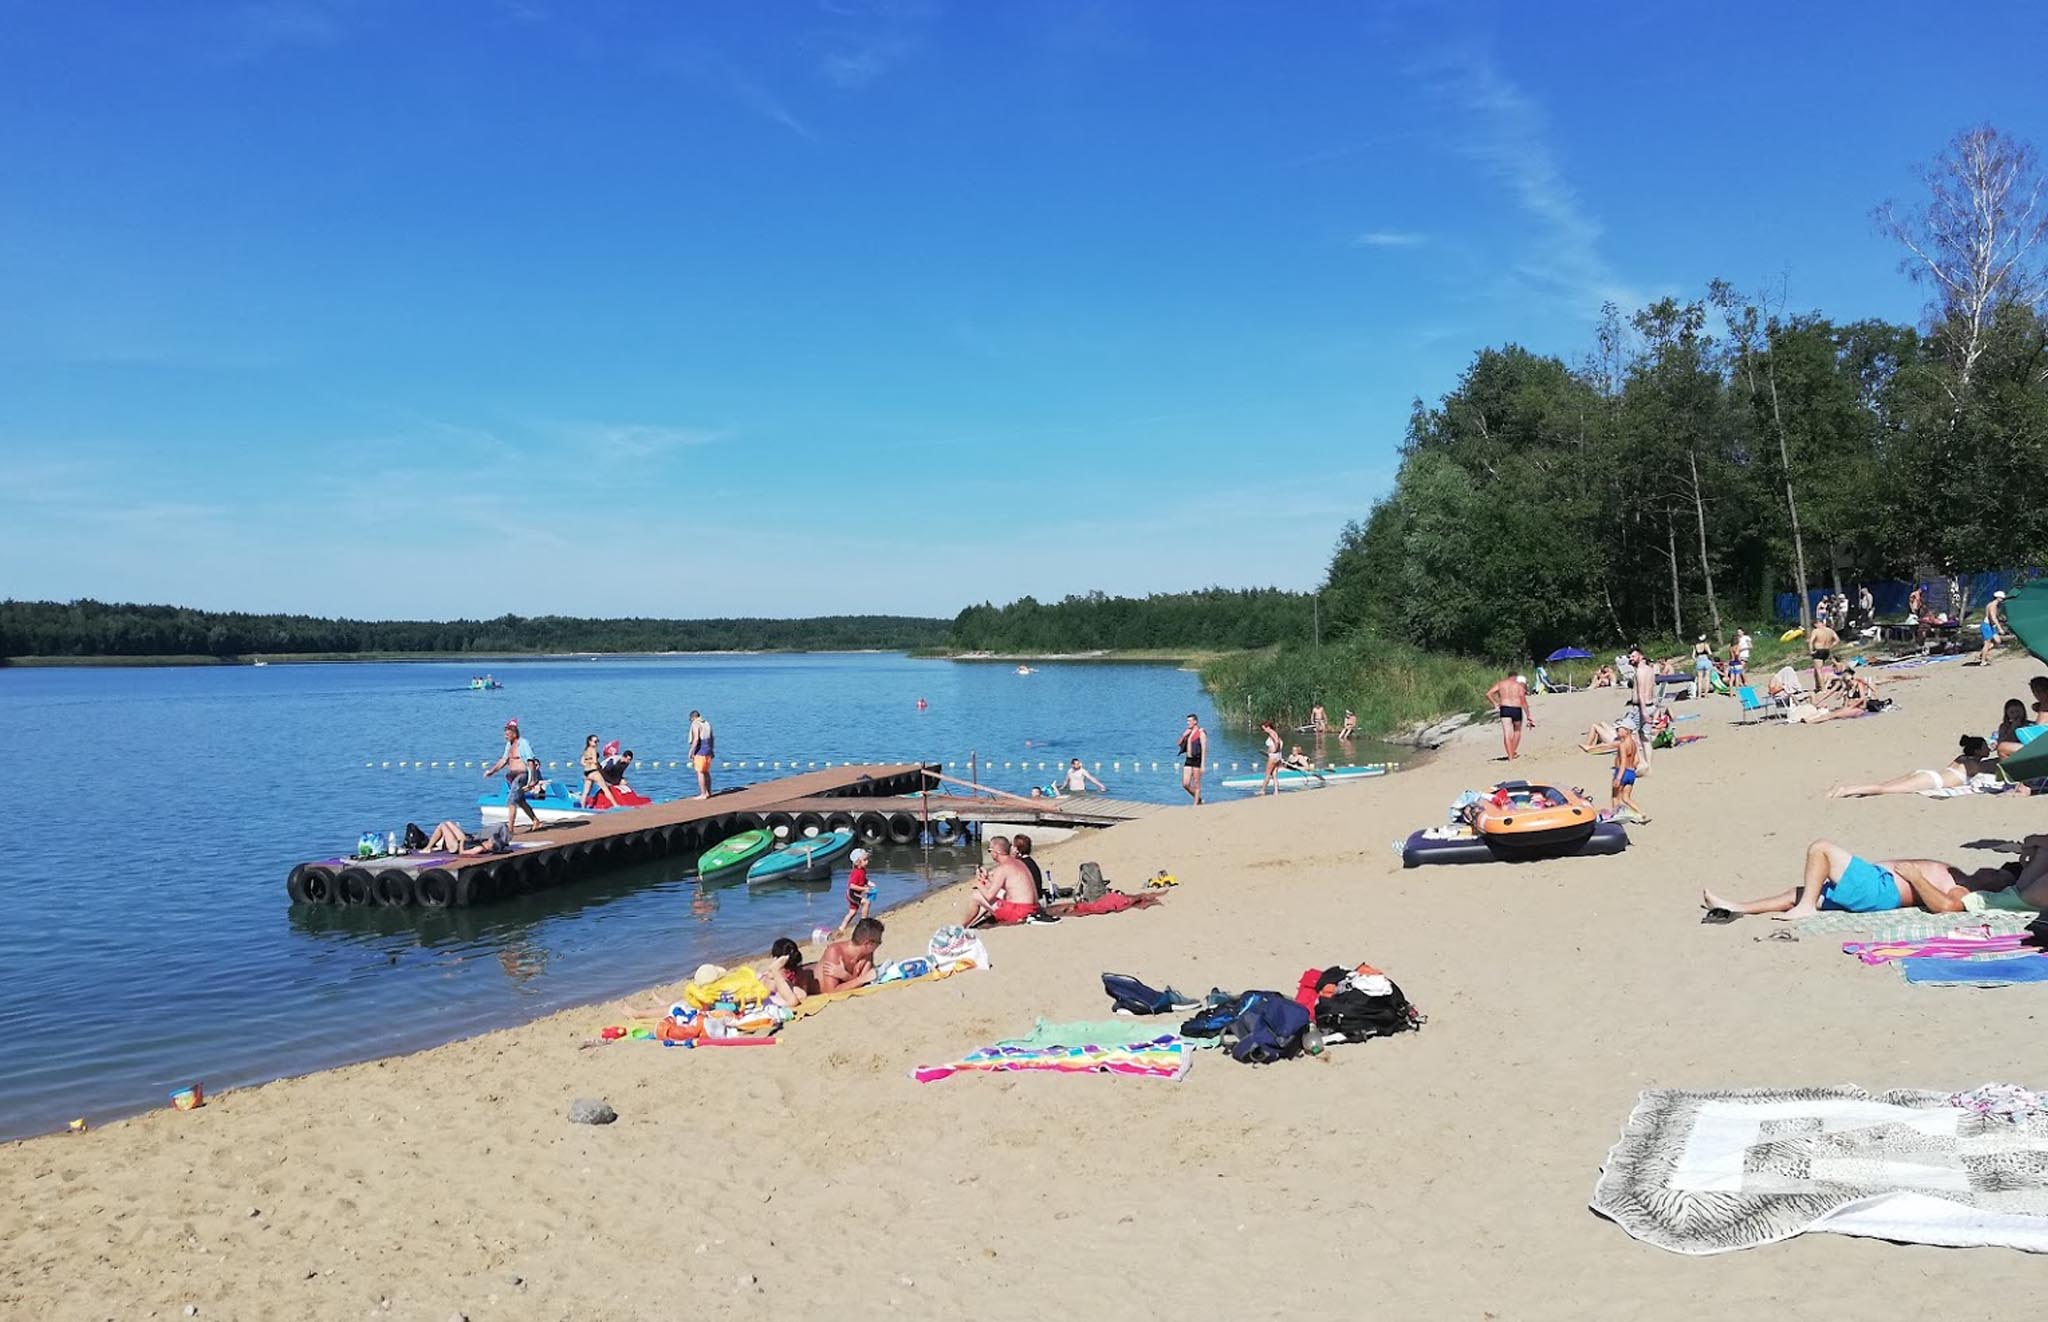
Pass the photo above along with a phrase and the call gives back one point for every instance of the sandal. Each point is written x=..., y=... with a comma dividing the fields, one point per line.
x=1715, y=916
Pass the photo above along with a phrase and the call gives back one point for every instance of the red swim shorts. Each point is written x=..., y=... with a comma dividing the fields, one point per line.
x=1006, y=913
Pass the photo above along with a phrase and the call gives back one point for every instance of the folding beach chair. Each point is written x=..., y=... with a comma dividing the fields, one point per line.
x=1766, y=706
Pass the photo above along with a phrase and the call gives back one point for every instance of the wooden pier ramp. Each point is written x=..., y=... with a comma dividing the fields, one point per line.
x=882, y=804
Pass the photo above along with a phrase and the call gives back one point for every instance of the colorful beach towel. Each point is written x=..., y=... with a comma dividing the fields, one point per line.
x=1976, y=972
x=1711, y=1172
x=1118, y=1046
x=1935, y=947
x=1910, y=924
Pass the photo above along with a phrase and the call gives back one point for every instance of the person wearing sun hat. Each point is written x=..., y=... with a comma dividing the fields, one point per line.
x=1993, y=625
x=514, y=761
x=859, y=891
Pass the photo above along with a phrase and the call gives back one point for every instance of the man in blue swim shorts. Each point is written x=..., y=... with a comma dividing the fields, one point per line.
x=1838, y=879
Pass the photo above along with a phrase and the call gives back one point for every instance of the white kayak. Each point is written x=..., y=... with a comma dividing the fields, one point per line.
x=1291, y=779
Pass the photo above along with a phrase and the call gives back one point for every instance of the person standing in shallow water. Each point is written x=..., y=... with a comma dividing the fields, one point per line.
x=1194, y=749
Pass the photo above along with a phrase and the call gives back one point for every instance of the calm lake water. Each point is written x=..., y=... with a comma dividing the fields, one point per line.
x=146, y=940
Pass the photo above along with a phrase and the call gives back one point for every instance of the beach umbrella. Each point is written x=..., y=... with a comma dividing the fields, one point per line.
x=1570, y=654
x=2026, y=614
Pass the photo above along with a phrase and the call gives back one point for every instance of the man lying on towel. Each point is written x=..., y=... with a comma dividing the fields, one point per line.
x=1003, y=892
x=1836, y=879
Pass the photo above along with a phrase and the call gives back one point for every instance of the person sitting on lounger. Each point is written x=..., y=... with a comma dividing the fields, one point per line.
x=1836, y=879
x=850, y=963
x=1003, y=892
x=1975, y=759
x=1785, y=683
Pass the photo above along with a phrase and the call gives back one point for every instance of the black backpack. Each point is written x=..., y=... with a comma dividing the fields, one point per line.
x=1350, y=1015
x=1134, y=997
x=1219, y=1012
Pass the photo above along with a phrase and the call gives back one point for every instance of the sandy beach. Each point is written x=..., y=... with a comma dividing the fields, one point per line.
x=1439, y=1174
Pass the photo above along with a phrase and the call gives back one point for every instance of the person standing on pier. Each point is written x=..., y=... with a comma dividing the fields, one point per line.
x=703, y=747
x=1194, y=747
x=517, y=753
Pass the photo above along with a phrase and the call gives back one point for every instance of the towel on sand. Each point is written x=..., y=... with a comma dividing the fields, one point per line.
x=1911, y=924
x=1711, y=1172
x=1116, y=1046
x=1958, y=946
x=1976, y=972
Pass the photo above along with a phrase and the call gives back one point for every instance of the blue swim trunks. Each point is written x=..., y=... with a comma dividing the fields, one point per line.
x=1864, y=888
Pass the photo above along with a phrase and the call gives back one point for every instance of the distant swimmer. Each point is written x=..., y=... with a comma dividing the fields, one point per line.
x=703, y=747
x=1194, y=747
x=1078, y=779
x=922, y=704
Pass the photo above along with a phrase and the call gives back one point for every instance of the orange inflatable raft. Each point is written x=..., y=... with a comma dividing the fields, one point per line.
x=1520, y=818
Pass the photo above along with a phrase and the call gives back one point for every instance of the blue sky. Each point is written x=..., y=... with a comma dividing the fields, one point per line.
x=678, y=307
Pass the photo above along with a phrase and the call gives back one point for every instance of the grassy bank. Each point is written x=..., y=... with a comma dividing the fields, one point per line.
x=1391, y=686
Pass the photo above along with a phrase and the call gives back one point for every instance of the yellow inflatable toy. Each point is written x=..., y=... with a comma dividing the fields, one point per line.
x=742, y=984
x=1791, y=634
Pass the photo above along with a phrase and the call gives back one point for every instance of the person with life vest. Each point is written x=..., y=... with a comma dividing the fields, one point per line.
x=1194, y=748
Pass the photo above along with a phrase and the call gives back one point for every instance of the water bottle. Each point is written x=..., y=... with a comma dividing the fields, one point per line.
x=391, y=842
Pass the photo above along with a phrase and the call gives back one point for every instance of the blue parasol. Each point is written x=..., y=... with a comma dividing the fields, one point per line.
x=1570, y=654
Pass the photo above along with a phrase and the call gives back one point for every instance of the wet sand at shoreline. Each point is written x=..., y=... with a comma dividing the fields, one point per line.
x=1439, y=1174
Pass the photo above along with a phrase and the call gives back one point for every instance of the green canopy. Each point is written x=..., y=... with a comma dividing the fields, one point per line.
x=2026, y=614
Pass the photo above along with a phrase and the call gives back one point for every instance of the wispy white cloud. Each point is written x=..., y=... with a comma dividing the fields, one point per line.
x=870, y=39
x=254, y=30
x=713, y=71
x=1506, y=132
x=638, y=440
x=1389, y=239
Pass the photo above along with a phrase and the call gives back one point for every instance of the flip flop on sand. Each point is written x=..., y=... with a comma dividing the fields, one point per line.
x=1719, y=916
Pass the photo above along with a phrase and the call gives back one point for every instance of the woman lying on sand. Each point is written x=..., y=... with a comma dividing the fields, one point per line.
x=1975, y=760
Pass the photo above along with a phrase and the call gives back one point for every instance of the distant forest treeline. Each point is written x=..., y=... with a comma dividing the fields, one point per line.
x=92, y=628
x=1215, y=619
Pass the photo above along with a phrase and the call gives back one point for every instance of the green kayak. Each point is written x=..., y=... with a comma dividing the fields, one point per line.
x=734, y=854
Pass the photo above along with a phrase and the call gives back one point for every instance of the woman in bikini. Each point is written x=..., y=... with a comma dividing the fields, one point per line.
x=594, y=782
x=1975, y=759
x=1274, y=759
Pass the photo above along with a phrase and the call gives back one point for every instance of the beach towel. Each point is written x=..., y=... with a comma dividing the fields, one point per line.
x=1910, y=924
x=1118, y=1046
x=1958, y=946
x=810, y=1005
x=2003, y=972
x=1712, y=1172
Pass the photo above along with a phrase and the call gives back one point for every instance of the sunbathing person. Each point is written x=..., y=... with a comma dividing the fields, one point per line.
x=1836, y=879
x=789, y=979
x=2015, y=729
x=1785, y=683
x=450, y=838
x=1975, y=759
x=850, y=963
x=1600, y=738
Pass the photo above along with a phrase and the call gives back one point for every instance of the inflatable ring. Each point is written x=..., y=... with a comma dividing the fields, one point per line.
x=902, y=828
x=1791, y=634
x=353, y=886
x=393, y=889
x=435, y=888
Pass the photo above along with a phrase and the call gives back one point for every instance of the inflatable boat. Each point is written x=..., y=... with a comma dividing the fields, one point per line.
x=733, y=855
x=1517, y=821
x=1290, y=779
x=562, y=803
x=809, y=856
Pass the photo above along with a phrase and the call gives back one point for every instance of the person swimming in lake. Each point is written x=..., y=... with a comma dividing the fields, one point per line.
x=1078, y=779
x=1835, y=879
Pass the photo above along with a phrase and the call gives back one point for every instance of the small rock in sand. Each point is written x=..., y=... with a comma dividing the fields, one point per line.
x=591, y=1111
x=191, y=1310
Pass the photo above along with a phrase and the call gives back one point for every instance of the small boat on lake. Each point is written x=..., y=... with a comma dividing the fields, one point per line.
x=733, y=855
x=804, y=857
x=1291, y=778
x=561, y=803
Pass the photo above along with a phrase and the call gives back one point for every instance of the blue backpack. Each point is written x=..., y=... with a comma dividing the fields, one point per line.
x=1269, y=1028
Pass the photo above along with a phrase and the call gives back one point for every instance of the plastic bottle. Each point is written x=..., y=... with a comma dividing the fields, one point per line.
x=1312, y=1041
x=391, y=842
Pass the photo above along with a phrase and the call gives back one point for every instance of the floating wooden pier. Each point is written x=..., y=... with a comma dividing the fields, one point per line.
x=882, y=804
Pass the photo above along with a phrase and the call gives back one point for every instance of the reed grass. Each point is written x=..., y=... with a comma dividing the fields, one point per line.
x=1391, y=686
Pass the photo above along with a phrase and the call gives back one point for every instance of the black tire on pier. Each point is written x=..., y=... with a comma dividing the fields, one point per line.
x=782, y=824
x=436, y=888
x=393, y=889
x=871, y=827
x=354, y=886
x=945, y=829
x=318, y=884
x=902, y=828
x=295, y=884
x=839, y=821
x=808, y=824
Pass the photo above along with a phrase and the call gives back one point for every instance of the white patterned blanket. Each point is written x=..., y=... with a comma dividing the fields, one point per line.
x=1710, y=1172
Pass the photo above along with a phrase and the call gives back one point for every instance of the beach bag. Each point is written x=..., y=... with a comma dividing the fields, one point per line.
x=1270, y=1028
x=1219, y=1012
x=1134, y=997
x=415, y=839
x=1350, y=1014
x=954, y=945
x=1092, y=882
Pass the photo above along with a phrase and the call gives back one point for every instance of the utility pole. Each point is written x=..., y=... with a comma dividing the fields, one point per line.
x=1316, y=614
